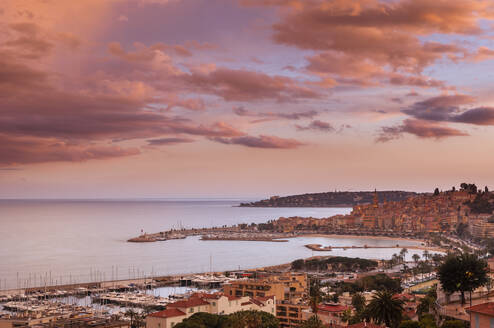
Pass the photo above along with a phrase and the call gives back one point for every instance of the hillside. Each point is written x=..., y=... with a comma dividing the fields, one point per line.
x=331, y=199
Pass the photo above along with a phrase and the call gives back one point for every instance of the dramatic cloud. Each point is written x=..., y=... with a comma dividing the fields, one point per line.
x=382, y=32
x=269, y=116
x=419, y=128
x=449, y=109
x=28, y=41
x=316, y=126
x=243, y=85
x=192, y=104
x=262, y=141
x=115, y=77
x=371, y=42
x=144, y=53
x=169, y=141
x=25, y=150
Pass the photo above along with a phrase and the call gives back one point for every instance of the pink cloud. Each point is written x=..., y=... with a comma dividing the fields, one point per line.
x=419, y=128
x=263, y=141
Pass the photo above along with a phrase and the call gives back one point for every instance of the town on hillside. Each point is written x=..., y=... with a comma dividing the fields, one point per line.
x=445, y=282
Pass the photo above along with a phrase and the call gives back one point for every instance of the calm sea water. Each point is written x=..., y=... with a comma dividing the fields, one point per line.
x=86, y=240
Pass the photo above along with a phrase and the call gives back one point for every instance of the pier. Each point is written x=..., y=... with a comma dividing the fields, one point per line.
x=320, y=248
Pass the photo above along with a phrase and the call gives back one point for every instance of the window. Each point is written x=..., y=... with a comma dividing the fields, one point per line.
x=477, y=321
x=191, y=310
x=492, y=323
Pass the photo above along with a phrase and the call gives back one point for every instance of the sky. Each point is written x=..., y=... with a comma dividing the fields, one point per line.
x=243, y=98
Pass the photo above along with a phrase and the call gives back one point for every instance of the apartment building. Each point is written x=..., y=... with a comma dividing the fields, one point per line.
x=209, y=303
x=287, y=286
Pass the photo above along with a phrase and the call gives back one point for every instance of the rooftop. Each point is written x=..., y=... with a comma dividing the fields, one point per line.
x=484, y=308
x=188, y=303
x=168, y=313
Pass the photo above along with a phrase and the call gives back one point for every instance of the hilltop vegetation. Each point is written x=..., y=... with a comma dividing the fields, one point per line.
x=331, y=199
x=337, y=263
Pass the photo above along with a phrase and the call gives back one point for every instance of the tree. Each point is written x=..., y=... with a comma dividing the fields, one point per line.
x=409, y=324
x=383, y=308
x=379, y=281
x=426, y=255
x=358, y=302
x=205, y=320
x=315, y=296
x=427, y=321
x=462, y=273
x=453, y=324
x=403, y=253
x=253, y=319
x=298, y=264
x=462, y=230
x=469, y=187
x=312, y=322
x=427, y=305
x=241, y=319
x=436, y=192
x=136, y=319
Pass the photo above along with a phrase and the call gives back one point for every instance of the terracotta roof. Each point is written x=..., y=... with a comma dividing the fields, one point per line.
x=332, y=307
x=246, y=303
x=364, y=325
x=187, y=304
x=265, y=298
x=232, y=298
x=404, y=296
x=168, y=313
x=207, y=296
x=485, y=308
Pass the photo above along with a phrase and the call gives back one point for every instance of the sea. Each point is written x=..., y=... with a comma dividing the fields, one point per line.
x=72, y=241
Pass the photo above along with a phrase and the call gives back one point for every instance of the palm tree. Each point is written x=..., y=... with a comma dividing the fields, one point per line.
x=395, y=259
x=383, y=308
x=315, y=296
x=416, y=259
x=313, y=322
x=132, y=315
x=426, y=255
x=403, y=252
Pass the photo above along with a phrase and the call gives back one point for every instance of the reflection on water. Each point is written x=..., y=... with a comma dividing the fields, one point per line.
x=57, y=242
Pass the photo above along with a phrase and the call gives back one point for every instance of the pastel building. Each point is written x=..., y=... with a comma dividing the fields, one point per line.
x=209, y=303
x=482, y=315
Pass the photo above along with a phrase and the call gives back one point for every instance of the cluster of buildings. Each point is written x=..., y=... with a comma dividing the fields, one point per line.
x=284, y=295
x=418, y=214
x=55, y=315
x=216, y=303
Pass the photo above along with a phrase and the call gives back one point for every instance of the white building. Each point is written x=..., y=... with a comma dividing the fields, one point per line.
x=210, y=303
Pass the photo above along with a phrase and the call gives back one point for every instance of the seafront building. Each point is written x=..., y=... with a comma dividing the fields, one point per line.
x=419, y=214
x=290, y=289
x=288, y=286
x=209, y=303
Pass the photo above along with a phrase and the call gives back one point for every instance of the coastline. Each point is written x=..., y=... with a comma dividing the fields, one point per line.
x=336, y=236
x=171, y=278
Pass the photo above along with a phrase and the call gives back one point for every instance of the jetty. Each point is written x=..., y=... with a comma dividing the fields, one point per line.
x=320, y=248
x=215, y=233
